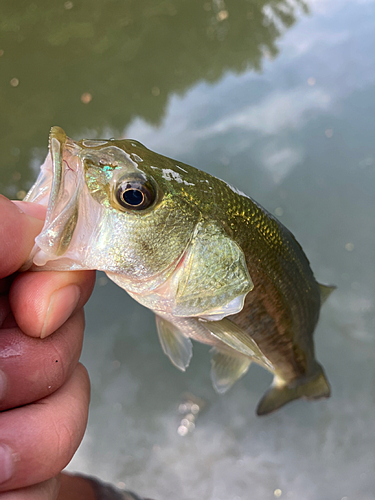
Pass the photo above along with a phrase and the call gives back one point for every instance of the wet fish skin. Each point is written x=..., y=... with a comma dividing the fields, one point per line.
x=213, y=264
x=282, y=310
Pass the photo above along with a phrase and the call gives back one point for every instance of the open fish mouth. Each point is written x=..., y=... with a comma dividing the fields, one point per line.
x=58, y=187
x=76, y=185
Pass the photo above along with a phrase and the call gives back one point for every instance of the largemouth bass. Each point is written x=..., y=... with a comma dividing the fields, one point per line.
x=212, y=264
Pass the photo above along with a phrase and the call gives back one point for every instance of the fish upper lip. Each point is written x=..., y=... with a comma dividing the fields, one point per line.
x=61, y=181
x=63, y=185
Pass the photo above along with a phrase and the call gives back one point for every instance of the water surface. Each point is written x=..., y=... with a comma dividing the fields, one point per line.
x=277, y=98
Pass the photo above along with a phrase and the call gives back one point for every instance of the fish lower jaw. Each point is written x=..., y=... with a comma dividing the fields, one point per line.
x=36, y=258
x=41, y=258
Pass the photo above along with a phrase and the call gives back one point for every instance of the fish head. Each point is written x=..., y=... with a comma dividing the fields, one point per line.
x=109, y=208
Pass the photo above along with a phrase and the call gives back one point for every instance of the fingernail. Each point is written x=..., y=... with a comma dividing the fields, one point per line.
x=61, y=305
x=32, y=209
x=6, y=463
x=3, y=385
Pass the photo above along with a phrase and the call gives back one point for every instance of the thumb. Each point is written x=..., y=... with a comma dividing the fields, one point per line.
x=20, y=223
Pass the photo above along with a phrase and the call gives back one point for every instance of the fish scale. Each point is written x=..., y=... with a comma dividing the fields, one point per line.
x=213, y=265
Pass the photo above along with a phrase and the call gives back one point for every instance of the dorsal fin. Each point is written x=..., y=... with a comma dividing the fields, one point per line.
x=325, y=291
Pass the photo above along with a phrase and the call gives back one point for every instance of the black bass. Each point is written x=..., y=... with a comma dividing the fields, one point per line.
x=211, y=263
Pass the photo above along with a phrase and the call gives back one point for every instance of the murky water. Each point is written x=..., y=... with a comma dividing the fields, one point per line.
x=277, y=98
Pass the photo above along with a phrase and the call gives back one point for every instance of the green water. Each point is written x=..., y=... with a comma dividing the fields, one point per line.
x=277, y=98
x=129, y=57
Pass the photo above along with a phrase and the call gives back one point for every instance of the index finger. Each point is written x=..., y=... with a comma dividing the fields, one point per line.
x=17, y=234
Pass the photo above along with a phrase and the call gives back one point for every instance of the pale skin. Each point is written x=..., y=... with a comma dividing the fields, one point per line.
x=45, y=390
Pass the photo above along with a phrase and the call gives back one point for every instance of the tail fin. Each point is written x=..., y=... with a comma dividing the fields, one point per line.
x=279, y=394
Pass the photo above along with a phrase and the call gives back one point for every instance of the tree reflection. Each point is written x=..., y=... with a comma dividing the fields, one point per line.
x=127, y=56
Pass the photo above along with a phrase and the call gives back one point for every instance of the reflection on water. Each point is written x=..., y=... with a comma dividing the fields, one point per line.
x=296, y=132
x=189, y=410
x=93, y=66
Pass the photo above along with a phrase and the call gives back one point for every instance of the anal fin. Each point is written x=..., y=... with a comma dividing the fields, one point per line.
x=280, y=393
x=226, y=370
x=236, y=338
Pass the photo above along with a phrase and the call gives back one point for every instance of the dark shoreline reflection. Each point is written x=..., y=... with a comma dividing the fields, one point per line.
x=96, y=65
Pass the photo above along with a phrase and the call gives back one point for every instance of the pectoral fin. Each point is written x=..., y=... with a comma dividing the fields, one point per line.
x=176, y=346
x=233, y=307
x=233, y=336
x=226, y=370
x=279, y=393
x=212, y=275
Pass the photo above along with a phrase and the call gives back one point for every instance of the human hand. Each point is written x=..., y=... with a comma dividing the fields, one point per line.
x=44, y=391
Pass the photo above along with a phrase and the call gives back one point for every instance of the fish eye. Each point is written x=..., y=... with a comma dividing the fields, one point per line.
x=135, y=194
